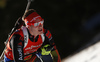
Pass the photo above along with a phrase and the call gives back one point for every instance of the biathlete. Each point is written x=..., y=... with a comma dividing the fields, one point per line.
x=32, y=42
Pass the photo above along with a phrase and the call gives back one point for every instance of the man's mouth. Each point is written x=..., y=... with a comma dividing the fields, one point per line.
x=40, y=30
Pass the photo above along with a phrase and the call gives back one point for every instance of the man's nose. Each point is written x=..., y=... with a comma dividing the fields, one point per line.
x=40, y=25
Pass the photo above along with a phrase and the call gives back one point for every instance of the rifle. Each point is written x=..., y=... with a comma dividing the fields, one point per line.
x=19, y=23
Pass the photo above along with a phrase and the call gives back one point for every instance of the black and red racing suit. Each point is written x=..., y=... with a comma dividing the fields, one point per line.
x=17, y=51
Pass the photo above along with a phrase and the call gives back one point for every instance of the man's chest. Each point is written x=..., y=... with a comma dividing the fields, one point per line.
x=33, y=45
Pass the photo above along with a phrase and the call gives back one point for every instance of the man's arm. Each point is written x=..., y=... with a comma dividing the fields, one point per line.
x=17, y=48
x=55, y=53
x=49, y=39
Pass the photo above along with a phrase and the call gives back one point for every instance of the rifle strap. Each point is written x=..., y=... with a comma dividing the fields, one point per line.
x=26, y=36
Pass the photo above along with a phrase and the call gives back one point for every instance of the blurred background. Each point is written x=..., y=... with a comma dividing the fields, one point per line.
x=73, y=23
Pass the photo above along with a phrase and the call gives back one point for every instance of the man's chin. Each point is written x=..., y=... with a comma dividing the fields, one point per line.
x=40, y=32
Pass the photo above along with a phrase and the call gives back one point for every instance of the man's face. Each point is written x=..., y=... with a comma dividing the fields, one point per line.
x=37, y=28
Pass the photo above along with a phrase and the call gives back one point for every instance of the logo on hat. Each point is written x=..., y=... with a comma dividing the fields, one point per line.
x=34, y=18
